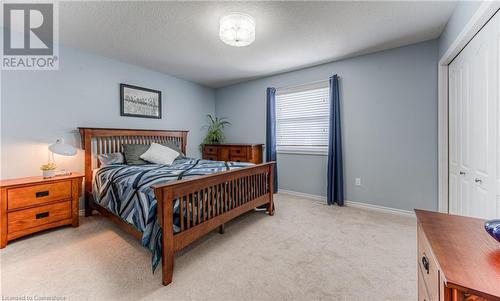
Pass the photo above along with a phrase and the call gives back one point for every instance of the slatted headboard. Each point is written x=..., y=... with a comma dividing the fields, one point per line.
x=96, y=141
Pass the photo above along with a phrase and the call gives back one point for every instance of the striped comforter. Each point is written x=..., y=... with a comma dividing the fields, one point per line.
x=125, y=190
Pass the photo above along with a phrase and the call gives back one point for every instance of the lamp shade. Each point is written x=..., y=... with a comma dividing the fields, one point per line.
x=61, y=148
x=237, y=29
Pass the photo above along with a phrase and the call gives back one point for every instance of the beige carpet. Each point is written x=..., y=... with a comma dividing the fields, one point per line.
x=307, y=251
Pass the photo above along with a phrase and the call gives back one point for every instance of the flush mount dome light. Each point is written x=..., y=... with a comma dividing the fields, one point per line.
x=237, y=29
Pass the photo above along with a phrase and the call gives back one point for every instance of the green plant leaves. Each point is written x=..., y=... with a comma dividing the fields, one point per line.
x=215, y=127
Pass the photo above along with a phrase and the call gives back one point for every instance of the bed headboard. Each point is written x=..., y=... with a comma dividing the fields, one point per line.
x=96, y=141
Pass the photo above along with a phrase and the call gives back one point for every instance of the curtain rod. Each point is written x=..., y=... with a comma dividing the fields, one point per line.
x=304, y=84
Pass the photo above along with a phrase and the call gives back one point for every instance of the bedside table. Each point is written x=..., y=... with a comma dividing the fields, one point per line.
x=29, y=205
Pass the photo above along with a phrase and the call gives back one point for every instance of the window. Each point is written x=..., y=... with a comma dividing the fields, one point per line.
x=302, y=117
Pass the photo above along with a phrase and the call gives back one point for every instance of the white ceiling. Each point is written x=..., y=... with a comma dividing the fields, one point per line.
x=181, y=38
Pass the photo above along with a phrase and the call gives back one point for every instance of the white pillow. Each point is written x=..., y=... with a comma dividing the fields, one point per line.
x=159, y=154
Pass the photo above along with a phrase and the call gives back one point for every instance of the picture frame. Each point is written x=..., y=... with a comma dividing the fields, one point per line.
x=140, y=102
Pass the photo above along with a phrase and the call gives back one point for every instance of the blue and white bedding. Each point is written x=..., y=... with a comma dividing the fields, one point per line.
x=125, y=190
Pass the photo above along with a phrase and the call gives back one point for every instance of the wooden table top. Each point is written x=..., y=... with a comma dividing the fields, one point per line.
x=37, y=180
x=468, y=257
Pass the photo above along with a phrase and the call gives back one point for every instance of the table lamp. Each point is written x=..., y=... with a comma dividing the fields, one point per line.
x=60, y=148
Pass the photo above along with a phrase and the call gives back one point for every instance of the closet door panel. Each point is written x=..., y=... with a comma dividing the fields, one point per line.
x=453, y=193
x=464, y=111
x=464, y=204
x=480, y=81
x=460, y=135
x=463, y=103
x=454, y=114
x=454, y=134
x=485, y=96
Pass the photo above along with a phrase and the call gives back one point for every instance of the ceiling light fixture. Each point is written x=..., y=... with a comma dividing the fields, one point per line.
x=237, y=29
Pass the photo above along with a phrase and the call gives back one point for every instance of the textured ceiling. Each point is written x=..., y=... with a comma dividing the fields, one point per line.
x=181, y=38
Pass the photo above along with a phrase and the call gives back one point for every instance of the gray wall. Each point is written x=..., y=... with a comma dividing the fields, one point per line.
x=389, y=107
x=461, y=15
x=38, y=107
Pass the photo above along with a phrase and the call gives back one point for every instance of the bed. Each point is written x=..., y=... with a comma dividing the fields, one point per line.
x=168, y=207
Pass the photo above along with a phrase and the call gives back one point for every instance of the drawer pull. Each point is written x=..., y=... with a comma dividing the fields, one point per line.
x=42, y=215
x=41, y=194
x=425, y=263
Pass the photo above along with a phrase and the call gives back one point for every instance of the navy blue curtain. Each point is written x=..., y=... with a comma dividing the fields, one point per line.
x=271, y=133
x=335, y=187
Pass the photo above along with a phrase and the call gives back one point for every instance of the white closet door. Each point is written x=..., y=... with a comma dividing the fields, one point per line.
x=473, y=117
x=460, y=165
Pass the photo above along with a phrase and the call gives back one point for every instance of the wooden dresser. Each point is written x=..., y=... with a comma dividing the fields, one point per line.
x=233, y=152
x=33, y=204
x=457, y=259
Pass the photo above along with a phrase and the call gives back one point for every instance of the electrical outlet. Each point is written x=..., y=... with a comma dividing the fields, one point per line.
x=358, y=181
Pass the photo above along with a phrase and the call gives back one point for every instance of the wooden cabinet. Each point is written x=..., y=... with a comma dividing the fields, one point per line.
x=456, y=259
x=233, y=152
x=29, y=205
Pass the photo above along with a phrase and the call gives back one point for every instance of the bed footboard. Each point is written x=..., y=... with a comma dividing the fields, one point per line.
x=206, y=203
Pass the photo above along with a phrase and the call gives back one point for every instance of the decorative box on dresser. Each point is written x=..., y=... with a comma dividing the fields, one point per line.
x=239, y=152
x=29, y=205
x=457, y=259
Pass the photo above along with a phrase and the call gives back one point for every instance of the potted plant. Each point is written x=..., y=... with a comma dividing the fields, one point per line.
x=48, y=170
x=215, y=134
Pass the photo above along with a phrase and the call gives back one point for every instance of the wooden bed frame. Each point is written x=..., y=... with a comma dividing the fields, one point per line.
x=220, y=197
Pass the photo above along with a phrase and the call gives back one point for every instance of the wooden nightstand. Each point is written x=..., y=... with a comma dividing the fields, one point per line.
x=29, y=205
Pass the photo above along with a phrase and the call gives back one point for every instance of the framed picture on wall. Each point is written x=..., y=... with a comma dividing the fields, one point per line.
x=139, y=102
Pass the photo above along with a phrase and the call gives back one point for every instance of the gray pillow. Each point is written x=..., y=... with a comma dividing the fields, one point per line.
x=132, y=152
x=111, y=158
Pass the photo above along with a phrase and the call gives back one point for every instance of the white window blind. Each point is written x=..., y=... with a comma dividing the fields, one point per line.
x=302, y=116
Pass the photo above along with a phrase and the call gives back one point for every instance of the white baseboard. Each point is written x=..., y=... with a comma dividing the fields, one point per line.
x=350, y=203
x=304, y=195
x=322, y=199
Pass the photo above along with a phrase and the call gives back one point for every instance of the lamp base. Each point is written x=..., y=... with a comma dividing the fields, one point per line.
x=47, y=174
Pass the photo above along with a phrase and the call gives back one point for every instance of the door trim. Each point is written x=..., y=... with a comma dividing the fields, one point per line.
x=485, y=11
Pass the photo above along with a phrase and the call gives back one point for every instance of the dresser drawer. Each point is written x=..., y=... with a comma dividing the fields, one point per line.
x=428, y=266
x=37, y=194
x=239, y=158
x=29, y=218
x=422, y=291
x=208, y=149
x=238, y=151
x=210, y=157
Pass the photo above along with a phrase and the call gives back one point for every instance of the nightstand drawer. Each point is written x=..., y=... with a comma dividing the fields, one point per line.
x=37, y=194
x=210, y=157
x=239, y=158
x=211, y=150
x=29, y=218
x=238, y=151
